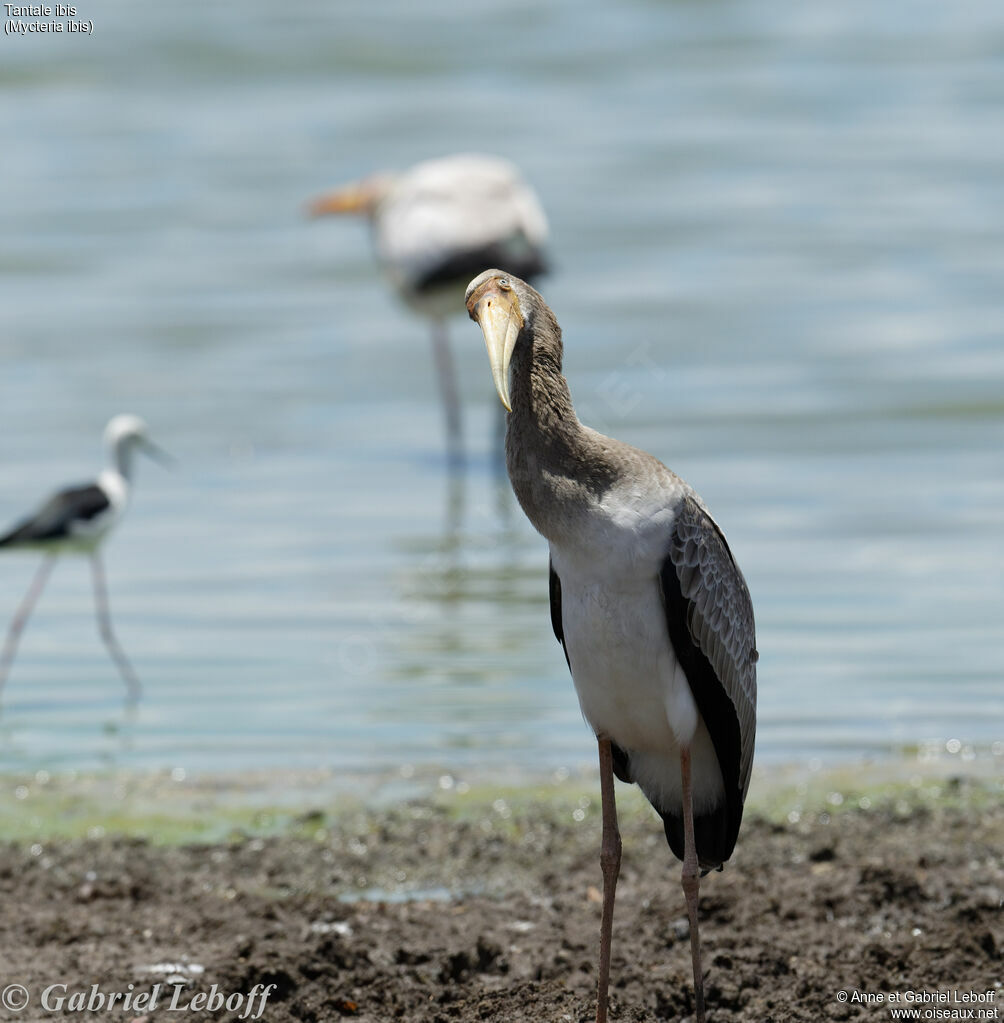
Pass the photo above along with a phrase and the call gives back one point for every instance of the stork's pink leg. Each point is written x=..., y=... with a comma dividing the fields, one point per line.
x=610, y=864
x=691, y=881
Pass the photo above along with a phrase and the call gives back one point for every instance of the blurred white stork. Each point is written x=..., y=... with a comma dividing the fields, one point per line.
x=437, y=225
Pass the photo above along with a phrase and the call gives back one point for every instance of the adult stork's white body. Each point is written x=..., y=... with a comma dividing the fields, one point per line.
x=437, y=224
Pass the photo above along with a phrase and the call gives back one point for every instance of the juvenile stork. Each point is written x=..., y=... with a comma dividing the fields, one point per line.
x=77, y=519
x=646, y=599
x=436, y=225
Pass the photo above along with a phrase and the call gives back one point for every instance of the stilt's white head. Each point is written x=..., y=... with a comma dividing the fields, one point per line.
x=125, y=434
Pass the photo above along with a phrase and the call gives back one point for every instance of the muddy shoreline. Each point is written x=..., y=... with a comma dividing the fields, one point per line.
x=429, y=913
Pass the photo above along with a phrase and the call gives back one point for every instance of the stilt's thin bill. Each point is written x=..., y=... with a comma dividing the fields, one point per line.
x=158, y=454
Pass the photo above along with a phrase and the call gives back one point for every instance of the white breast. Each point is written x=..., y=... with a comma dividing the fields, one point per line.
x=88, y=532
x=630, y=686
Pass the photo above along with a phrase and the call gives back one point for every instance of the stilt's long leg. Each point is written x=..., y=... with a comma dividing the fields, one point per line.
x=22, y=615
x=691, y=881
x=105, y=628
x=610, y=864
x=447, y=376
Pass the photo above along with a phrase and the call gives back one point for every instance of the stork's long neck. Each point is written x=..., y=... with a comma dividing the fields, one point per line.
x=556, y=466
x=541, y=402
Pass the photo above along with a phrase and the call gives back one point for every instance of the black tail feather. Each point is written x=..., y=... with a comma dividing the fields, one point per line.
x=712, y=835
x=622, y=764
x=713, y=832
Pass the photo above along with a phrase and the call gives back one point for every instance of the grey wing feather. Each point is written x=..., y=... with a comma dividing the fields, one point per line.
x=720, y=616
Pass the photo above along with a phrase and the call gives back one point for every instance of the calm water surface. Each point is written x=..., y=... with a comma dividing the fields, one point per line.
x=778, y=248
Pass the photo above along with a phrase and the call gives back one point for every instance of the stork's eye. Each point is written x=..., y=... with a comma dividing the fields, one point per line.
x=504, y=284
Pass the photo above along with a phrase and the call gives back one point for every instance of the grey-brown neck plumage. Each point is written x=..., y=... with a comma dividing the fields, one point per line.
x=558, y=468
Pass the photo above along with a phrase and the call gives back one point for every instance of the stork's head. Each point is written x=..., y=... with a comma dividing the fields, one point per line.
x=505, y=308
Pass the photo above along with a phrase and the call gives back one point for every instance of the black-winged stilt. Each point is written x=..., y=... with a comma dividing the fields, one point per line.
x=77, y=519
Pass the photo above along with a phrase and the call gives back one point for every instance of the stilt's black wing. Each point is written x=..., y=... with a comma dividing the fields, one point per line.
x=621, y=765
x=709, y=615
x=56, y=518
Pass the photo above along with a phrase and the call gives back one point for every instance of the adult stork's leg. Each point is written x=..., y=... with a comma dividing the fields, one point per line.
x=447, y=376
x=610, y=864
x=498, y=441
x=691, y=881
x=105, y=628
x=22, y=615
